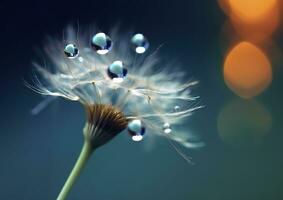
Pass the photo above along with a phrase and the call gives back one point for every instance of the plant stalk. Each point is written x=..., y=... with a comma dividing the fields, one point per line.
x=81, y=162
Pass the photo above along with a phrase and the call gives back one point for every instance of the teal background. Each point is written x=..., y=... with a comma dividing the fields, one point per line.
x=38, y=152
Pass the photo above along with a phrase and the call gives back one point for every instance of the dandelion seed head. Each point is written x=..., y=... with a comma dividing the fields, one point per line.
x=117, y=84
x=104, y=122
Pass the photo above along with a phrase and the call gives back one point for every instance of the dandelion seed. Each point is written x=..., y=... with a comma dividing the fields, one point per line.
x=138, y=102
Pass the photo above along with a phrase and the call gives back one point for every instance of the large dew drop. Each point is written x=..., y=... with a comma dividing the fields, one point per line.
x=101, y=43
x=116, y=71
x=136, y=129
x=71, y=51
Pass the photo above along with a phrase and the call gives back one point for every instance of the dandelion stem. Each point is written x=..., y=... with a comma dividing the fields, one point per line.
x=81, y=162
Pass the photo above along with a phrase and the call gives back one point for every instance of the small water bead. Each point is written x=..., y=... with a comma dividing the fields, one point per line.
x=81, y=59
x=177, y=108
x=71, y=51
x=117, y=71
x=140, y=43
x=101, y=43
x=136, y=129
x=167, y=128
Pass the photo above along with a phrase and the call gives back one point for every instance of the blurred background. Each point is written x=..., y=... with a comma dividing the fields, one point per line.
x=233, y=47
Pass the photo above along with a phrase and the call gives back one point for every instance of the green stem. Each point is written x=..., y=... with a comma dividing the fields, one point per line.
x=83, y=158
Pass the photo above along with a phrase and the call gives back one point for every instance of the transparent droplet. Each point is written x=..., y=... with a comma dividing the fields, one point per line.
x=167, y=128
x=177, y=108
x=166, y=125
x=136, y=129
x=140, y=43
x=81, y=59
x=71, y=51
x=101, y=43
x=116, y=71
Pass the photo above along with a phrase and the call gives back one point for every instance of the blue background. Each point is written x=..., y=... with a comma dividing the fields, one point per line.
x=38, y=152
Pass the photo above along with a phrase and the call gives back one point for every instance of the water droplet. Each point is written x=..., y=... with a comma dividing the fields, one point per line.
x=167, y=128
x=177, y=108
x=166, y=125
x=101, y=43
x=136, y=129
x=81, y=59
x=71, y=51
x=140, y=43
x=116, y=71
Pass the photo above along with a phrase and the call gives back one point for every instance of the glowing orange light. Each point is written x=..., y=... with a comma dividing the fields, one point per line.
x=252, y=10
x=247, y=70
x=254, y=20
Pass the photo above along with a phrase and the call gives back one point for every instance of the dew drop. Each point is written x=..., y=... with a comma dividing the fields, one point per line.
x=136, y=129
x=101, y=43
x=116, y=71
x=166, y=125
x=81, y=59
x=71, y=51
x=176, y=108
x=167, y=128
x=140, y=43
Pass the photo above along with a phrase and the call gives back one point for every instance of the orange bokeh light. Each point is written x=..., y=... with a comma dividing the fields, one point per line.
x=247, y=70
x=252, y=11
x=254, y=20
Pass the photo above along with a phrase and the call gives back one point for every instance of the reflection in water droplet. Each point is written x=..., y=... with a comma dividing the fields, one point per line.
x=167, y=130
x=137, y=138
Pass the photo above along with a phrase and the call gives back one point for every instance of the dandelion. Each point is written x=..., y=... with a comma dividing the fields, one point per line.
x=121, y=86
